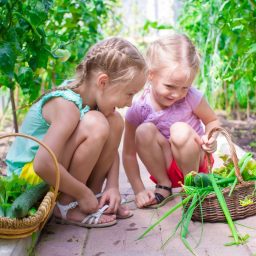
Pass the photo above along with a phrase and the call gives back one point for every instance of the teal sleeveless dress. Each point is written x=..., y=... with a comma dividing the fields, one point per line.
x=23, y=150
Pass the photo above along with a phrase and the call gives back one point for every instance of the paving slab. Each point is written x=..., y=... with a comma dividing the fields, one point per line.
x=122, y=239
x=18, y=247
x=59, y=240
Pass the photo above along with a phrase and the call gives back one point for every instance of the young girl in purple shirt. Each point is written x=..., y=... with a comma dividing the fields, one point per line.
x=168, y=125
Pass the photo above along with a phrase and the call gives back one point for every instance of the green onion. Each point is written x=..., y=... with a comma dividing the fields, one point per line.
x=225, y=209
x=174, y=208
x=245, y=162
x=224, y=181
x=240, y=163
x=187, y=219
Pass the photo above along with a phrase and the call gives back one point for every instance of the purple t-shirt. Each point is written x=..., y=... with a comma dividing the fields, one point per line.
x=142, y=111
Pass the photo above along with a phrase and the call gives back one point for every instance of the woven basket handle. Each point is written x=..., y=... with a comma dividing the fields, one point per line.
x=231, y=148
x=56, y=165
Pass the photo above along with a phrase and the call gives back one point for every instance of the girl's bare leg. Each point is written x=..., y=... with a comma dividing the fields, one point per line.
x=186, y=152
x=108, y=154
x=106, y=165
x=81, y=154
x=155, y=152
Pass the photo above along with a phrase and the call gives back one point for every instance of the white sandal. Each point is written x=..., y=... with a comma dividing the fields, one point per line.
x=90, y=221
x=123, y=201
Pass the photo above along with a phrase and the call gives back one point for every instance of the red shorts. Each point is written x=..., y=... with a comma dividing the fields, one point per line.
x=175, y=174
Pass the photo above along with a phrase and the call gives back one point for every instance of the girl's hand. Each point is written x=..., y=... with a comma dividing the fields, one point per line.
x=111, y=197
x=209, y=145
x=144, y=198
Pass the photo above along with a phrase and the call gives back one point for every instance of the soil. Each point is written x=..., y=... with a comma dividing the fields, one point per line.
x=243, y=132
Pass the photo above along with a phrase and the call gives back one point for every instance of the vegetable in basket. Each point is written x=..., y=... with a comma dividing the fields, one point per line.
x=17, y=196
x=202, y=180
x=197, y=186
x=10, y=188
x=23, y=203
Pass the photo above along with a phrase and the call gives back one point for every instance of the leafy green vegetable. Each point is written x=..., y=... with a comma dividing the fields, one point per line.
x=32, y=211
x=197, y=186
x=10, y=188
x=1, y=212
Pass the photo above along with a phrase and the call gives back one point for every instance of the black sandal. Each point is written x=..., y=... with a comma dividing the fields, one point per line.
x=160, y=199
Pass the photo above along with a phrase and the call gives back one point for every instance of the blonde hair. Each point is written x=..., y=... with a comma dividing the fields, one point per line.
x=172, y=51
x=116, y=57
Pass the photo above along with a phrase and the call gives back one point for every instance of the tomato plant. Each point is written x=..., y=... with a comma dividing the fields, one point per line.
x=41, y=41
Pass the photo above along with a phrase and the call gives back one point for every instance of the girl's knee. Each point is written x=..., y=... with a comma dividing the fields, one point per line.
x=116, y=123
x=145, y=133
x=95, y=125
x=180, y=133
x=40, y=165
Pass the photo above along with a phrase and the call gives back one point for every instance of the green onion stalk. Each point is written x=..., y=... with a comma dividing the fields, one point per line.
x=173, y=209
x=225, y=210
x=244, y=163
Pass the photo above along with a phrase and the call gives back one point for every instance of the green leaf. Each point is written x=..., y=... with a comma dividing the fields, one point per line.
x=7, y=58
x=241, y=88
x=39, y=59
x=252, y=49
x=62, y=54
x=239, y=27
x=3, y=2
x=25, y=76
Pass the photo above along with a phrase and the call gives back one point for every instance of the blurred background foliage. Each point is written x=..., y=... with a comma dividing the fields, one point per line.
x=225, y=32
x=42, y=41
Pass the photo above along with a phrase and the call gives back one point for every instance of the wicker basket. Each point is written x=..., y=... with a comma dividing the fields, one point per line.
x=210, y=210
x=12, y=228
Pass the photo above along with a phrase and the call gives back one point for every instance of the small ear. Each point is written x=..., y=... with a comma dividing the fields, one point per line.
x=102, y=80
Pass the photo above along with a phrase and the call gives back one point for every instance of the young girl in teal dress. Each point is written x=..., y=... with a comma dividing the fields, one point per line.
x=79, y=123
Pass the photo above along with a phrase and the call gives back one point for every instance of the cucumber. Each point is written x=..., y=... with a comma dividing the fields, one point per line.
x=22, y=204
x=202, y=180
x=189, y=179
x=225, y=181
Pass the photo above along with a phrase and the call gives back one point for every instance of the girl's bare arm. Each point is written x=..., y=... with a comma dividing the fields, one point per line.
x=210, y=120
x=130, y=159
x=63, y=117
x=207, y=115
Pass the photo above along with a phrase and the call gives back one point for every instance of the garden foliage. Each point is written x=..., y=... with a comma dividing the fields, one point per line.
x=225, y=33
x=41, y=41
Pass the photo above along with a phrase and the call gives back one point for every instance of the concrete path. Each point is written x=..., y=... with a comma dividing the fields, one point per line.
x=121, y=239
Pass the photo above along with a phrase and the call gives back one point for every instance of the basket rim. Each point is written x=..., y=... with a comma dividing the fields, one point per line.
x=8, y=225
x=237, y=187
x=12, y=228
x=51, y=153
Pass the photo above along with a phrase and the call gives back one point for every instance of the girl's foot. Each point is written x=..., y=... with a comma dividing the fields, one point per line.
x=71, y=214
x=123, y=212
x=162, y=196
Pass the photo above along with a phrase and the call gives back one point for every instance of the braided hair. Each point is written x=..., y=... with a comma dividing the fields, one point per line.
x=116, y=57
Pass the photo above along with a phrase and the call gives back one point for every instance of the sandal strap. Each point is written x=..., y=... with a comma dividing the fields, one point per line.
x=94, y=217
x=65, y=208
x=123, y=200
x=99, y=195
x=164, y=187
x=159, y=198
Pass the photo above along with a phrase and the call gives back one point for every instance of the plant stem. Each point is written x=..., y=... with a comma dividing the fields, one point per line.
x=174, y=208
x=225, y=209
